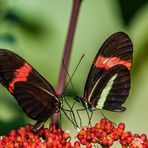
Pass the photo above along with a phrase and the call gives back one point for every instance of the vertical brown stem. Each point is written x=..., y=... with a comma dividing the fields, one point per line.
x=67, y=53
x=68, y=45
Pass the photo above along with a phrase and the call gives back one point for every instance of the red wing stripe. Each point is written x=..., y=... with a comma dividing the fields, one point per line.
x=21, y=74
x=107, y=63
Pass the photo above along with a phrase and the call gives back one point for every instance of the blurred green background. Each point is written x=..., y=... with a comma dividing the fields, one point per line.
x=36, y=30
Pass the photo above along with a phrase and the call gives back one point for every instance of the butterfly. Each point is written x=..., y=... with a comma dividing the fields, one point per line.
x=33, y=93
x=108, y=83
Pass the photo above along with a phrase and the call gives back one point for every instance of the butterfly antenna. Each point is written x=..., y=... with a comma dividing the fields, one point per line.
x=71, y=111
x=70, y=77
x=64, y=111
x=71, y=119
x=70, y=81
x=106, y=117
x=90, y=118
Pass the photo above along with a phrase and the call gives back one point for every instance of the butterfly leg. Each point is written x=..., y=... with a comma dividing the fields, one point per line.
x=105, y=116
x=60, y=120
x=79, y=115
x=71, y=120
x=38, y=125
x=72, y=115
x=68, y=110
x=89, y=116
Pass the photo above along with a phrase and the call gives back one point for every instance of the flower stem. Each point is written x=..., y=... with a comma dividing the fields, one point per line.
x=67, y=54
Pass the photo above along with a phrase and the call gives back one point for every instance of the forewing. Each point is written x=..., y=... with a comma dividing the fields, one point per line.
x=116, y=50
x=36, y=102
x=112, y=90
x=14, y=69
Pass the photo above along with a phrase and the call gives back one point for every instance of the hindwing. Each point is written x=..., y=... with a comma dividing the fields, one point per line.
x=36, y=102
x=112, y=89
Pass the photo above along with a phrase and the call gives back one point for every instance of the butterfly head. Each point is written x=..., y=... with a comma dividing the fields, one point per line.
x=78, y=99
x=83, y=101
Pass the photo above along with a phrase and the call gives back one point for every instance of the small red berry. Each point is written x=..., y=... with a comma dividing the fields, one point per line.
x=110, y=142
x=12, y=133
x=121, y=126
x=97, y=125
x=77, y=144
x=103, y=121
x=104, y=141
x=123, y=142
x=136, y=135
x=143, y=137
x=83, y=141
x=68, y=145
x=89, y=145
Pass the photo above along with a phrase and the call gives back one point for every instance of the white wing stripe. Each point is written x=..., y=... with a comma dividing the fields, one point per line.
x=105, y=92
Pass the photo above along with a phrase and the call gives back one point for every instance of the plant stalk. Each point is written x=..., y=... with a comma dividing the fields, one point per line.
x=67, y=54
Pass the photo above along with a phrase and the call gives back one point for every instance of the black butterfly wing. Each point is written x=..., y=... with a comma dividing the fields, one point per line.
x=36, y=102
x=111, y=91
x=116, y=51
x=14, y=68
x=17, y=75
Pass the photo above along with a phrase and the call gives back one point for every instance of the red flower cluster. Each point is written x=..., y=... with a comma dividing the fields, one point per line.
x=45, y=138
x=105, y=133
